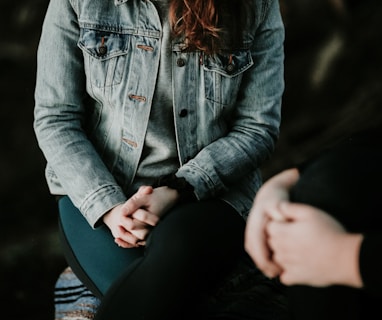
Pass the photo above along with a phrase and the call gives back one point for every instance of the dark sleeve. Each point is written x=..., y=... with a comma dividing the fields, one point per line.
x=345, y=182
x=370, y=261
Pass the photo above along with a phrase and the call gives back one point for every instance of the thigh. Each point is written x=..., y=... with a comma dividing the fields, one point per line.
x=208, y=235
x=187, y=253
x=92, y=253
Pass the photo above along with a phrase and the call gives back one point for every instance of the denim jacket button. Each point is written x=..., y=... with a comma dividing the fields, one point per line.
x=180, y=62
x=183, y=113
x=230, y=68
x=102, y=50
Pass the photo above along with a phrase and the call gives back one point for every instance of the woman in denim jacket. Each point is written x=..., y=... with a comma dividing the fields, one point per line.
x=154, y=118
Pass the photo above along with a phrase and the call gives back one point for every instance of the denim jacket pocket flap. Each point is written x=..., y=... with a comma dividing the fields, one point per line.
x=103, y=45
x=229, y=64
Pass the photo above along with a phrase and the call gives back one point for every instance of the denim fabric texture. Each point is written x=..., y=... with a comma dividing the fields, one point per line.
x=96, y=75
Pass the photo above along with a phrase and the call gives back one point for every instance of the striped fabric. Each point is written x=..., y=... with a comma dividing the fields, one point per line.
x=72, y=300
x=246, y=294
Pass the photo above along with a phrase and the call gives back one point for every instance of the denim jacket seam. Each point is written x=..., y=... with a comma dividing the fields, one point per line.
x=264, y=8
x=74, y=5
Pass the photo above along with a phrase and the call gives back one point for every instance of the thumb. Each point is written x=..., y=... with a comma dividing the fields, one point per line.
x=139, y=198
x=292, y=211
x=137, y=201
x=143, y=190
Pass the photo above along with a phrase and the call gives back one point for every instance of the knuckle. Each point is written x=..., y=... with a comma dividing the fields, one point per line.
x=128, y=223
x=142, y=215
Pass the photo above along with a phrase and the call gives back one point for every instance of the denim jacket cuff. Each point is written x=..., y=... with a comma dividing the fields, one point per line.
x=100, y=202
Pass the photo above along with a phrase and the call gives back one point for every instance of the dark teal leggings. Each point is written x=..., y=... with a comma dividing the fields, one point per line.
x=187, y=253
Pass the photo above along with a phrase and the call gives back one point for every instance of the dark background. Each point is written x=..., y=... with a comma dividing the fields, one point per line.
x=333, y=87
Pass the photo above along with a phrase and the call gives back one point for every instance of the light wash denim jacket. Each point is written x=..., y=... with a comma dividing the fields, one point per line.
x=97, y=69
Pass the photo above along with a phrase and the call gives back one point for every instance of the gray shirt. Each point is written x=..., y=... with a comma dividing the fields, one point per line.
x=159, y=156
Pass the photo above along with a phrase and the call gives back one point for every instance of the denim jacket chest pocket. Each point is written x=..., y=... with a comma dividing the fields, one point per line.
x=223, y=74
x=105, y=56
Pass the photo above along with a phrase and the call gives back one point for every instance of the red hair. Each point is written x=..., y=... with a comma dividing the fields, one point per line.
x=201, y=22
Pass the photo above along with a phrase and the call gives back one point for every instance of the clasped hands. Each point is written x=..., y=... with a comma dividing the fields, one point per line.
x=299, y=243
x=131, y=222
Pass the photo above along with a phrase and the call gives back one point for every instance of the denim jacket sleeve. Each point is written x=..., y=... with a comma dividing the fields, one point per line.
x=256, y=119
x=59, y=116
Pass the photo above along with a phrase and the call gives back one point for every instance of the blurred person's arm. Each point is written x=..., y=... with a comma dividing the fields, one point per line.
x=266, y=206
x=313, y=248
